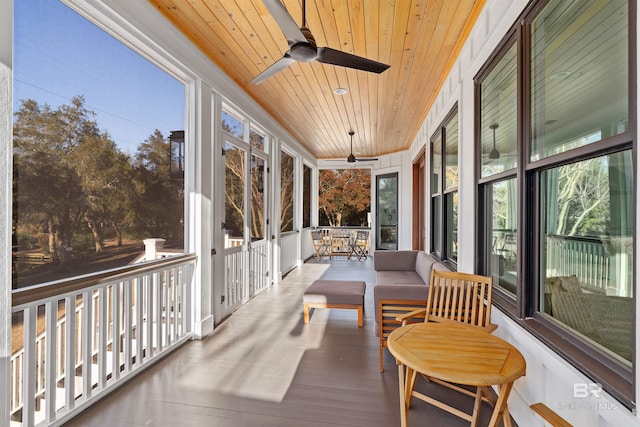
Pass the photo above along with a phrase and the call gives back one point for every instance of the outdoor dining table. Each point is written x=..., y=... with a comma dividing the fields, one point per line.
x=460, y=354
x=340, y=243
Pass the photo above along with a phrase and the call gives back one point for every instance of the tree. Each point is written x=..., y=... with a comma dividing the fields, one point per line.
x=48, y=155
x=234, y=160
x=105, y=174
x=286, y=191
x=582, y=198
x=159, y=202
x=343, y=193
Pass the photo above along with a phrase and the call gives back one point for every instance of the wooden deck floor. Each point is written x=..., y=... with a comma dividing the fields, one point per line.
x=264, y=367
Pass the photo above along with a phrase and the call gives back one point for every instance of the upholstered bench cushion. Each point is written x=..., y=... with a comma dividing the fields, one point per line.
x=335, y=292
x=348, y=294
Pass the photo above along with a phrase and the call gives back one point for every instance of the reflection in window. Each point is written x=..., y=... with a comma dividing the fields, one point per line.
x=498, y=116
x=232, y=124
x=234, y=161
x=444, y=190
x=306, y=196
x=451, y=154
x=256, y=139
x=258, y=179
x=587, y=211
x=436, y=164
x=286, y=191
x=579, y=75
x=451, y=241
x=387, y=211
x=500, y=233
x=436, y=231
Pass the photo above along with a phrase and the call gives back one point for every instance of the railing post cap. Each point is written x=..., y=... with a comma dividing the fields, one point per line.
x=158, y=242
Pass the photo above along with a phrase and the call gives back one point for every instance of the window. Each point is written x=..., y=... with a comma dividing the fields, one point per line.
x=235, y=159
x=579, y=75
x=555, y=163
x=287, y=163
x=499, y=233
x=587, y=250
x=101, y=114
x=306, y=196
x=256, y=139
x=232, y=124
x=497, y=90
x=444, y=189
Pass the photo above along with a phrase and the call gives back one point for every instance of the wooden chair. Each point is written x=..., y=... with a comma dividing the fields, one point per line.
x=358, y=247
x=321, y=245
x=457, y=297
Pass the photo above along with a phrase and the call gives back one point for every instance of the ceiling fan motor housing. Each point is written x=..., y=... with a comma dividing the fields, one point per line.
x=303, y=52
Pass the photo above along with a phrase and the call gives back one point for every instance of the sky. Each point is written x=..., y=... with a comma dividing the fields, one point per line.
x=58, y=55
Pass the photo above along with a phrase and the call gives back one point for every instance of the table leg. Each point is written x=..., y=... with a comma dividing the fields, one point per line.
x=403, y=406
x=476, y=407
x=501, y=404
x=410, y=382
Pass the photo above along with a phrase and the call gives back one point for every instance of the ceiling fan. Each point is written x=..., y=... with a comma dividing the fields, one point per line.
x=494, y=154
x=351, y=158
x=303, y=48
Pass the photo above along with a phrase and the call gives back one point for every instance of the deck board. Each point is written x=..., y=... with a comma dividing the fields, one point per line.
x=264, y=367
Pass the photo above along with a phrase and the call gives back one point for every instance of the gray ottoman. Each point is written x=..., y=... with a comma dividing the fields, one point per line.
x=347, y=294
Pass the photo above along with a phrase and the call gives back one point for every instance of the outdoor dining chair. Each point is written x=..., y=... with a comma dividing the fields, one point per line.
x=321, y=244
x=359, y=245
x=457, y=297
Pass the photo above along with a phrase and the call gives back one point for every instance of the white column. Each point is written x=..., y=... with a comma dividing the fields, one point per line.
x=274, y=186
x=198, y=181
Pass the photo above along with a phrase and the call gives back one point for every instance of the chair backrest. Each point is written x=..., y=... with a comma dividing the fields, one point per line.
x=316, y=236
x=362, y=235
x=461, y=297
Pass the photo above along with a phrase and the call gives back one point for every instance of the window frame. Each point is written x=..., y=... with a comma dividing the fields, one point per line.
x=307, y=192
x=617, y=378
x=503, y=299
x=442, y=223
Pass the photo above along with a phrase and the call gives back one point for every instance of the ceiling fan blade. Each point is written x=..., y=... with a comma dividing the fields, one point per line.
x=335, y=57
x=368, y=159
x=285, y=21
x=279, y=65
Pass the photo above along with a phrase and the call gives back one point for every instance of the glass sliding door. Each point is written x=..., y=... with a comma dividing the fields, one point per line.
x=235, y=226
x=387, y=211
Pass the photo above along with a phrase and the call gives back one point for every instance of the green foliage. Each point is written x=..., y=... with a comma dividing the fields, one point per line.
x=344, y=197
x=73, y=187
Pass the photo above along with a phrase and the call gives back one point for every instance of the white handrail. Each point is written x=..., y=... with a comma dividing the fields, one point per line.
x=132, y=319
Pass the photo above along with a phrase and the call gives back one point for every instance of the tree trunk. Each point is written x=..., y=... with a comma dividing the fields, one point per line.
x=53, y=250
x=118, y=228
x=96, y=230
x=97, y=239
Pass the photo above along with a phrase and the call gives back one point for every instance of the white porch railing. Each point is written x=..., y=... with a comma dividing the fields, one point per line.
x=583, y=257
x=75, y=340
x=288, y=251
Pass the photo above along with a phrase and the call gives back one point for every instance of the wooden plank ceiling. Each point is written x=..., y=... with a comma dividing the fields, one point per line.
x=419, y=39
